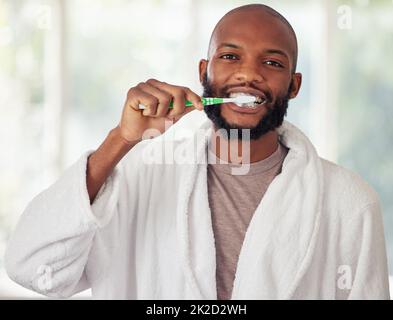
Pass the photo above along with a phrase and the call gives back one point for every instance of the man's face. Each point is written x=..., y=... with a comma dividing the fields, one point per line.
x=250, y=53
x=272, y=119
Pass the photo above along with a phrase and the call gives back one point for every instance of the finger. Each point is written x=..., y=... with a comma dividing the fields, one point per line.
x=183, y=93
x=178, y=100
x=163, y=98
x=156, y=83
x=137, y=96
x=189, y=109
x=178, y=117
x=194, y=98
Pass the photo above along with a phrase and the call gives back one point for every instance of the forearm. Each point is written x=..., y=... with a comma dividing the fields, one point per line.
x=102, y=162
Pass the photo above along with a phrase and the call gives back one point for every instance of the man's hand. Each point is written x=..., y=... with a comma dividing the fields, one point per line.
x=156, y=97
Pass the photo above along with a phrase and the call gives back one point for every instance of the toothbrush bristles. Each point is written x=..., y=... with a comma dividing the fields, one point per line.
x=245, y=99
x=249, y=100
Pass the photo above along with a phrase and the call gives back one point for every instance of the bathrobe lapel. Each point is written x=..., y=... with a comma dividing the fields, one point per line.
x=280, y=239
x=194, y=225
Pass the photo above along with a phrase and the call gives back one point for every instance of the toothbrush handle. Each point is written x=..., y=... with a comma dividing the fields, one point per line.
x=205, y=102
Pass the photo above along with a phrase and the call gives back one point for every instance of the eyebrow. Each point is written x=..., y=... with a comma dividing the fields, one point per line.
x=277, y=51
x=269, y=51
x=230, y=45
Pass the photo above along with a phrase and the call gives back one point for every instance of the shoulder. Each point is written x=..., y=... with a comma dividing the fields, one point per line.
x=345, y=189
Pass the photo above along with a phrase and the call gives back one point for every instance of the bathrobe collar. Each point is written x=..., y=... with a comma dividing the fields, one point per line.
x=280, y=240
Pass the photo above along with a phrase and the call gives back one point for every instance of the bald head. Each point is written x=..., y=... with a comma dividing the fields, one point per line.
x=261, y=15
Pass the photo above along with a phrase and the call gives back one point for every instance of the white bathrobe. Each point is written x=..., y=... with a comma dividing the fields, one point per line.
x=316, y=234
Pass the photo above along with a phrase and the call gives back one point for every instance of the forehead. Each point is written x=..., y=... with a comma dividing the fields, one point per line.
x=253, y=30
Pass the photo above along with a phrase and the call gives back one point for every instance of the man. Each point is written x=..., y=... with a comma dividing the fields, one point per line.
x=291, y=226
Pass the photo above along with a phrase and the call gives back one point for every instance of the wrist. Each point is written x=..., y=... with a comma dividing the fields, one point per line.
x=118, y=138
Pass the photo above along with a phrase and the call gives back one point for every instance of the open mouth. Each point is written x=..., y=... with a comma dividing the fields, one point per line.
x=259, y=100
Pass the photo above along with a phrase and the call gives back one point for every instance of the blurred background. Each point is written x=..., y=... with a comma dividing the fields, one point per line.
x=65, y=68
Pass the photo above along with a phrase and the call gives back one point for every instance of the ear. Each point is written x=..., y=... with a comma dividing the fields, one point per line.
x=202, y=69
x=295, y=85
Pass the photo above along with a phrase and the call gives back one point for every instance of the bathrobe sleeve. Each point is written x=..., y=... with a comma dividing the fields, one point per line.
x=49, y=249
x=370, y=278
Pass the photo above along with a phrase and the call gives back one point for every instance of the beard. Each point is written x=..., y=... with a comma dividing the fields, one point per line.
x=270, y=121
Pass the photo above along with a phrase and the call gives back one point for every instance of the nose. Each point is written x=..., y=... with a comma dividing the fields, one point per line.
x=248, y=72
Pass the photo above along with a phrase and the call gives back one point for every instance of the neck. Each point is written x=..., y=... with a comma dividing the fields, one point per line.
x=238, y=151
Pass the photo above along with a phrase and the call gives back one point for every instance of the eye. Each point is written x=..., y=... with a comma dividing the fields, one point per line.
x=274, y=64
x=228, y=56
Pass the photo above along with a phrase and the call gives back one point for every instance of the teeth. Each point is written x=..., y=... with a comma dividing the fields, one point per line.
x=247, y=105
x=238, y=94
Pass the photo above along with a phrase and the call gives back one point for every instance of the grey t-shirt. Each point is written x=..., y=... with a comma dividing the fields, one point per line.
x=233, y=200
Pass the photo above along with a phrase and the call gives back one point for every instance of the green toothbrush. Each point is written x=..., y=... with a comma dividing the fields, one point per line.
x=239, y=100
